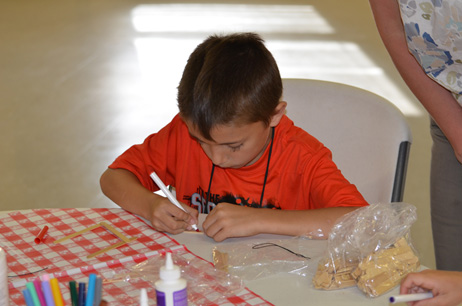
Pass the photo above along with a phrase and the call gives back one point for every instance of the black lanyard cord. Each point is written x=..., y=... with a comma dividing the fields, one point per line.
x=210, y=184
x=267, y=167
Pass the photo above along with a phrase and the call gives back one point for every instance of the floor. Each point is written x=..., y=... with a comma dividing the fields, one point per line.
x=81, y=80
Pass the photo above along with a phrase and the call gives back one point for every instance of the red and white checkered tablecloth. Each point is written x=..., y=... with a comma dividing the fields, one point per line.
x=68, y=260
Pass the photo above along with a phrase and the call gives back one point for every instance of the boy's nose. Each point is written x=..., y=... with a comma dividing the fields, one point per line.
x=217, y=156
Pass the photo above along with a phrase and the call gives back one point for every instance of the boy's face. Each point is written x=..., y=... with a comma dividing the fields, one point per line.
x=234, y=146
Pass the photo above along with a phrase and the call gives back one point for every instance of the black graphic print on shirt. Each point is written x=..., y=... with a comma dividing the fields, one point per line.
x=199, y=201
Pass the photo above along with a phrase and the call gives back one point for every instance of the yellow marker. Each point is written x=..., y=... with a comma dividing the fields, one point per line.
x=58, y=298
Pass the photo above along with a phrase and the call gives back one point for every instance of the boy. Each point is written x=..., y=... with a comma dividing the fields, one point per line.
x=231, y=152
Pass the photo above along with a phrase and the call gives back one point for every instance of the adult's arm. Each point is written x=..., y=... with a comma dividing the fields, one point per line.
x=446, y=287
x=437, y=100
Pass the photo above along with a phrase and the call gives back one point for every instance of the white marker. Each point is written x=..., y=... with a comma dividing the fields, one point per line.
x=404, y=298
x=169, y=195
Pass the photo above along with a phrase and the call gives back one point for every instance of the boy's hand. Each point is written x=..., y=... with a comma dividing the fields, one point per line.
x=166, y=217
x=229, y=220
x=124, y=188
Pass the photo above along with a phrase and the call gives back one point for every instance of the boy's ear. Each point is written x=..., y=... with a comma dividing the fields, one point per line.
x=279, y=111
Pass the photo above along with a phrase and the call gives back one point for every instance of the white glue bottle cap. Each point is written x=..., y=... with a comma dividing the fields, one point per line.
x=169, y=272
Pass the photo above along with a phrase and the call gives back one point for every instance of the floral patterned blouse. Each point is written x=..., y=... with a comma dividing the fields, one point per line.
x=434, y=37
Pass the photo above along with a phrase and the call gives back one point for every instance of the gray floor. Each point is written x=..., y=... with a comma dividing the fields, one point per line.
x=81, y=80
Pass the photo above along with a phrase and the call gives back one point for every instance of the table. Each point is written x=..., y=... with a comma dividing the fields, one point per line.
x=287, y=289
x=279, y=289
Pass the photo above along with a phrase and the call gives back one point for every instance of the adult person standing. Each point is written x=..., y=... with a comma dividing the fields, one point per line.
x=424, y=40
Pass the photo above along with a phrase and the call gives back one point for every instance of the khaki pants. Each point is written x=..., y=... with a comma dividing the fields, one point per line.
x=446, y=202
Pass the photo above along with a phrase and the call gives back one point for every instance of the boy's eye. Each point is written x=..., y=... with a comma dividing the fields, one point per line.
x=235, y=148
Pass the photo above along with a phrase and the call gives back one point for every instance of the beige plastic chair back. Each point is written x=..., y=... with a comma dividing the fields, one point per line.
x=368, y=136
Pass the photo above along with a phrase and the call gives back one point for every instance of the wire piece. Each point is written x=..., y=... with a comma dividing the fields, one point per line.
x=270, y=244
x=28, y=273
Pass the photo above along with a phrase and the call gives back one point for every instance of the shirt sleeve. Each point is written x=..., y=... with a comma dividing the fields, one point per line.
x=328, y=186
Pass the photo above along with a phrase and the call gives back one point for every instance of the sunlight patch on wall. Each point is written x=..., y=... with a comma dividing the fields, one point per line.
x=342, y=62
x=162, y=61
x=200, y=18
x=168, y=33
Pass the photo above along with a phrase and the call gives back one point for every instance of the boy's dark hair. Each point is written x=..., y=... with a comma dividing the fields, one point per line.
x=229, y=79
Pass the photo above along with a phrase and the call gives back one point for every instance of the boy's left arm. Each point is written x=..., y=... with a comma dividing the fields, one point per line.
x=229, y=220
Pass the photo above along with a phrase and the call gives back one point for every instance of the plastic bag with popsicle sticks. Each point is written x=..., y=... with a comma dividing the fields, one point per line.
x=370, y=248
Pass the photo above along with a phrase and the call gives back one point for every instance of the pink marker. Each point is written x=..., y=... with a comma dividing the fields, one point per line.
x=38, y=288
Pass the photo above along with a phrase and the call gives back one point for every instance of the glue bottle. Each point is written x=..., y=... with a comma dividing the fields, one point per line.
x=171, y=288
x=4, y=297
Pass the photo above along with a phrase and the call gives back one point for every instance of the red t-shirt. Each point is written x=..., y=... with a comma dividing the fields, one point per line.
x=301, y=173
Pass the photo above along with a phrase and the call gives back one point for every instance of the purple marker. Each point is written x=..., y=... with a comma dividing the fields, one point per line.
x=46, y=287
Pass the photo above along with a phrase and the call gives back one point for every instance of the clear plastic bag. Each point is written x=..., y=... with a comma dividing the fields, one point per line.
x=371, y=248
x=258, y=259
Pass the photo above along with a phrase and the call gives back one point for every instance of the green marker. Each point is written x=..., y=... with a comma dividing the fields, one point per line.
x=74, y=296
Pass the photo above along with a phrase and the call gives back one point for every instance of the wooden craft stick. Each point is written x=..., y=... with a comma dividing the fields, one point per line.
x=115, y=232
x=77, y=233
x=109, y=228
x=118, y=244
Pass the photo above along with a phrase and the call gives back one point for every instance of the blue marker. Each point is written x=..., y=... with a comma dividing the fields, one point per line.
x=28, y=297
x=91, y=290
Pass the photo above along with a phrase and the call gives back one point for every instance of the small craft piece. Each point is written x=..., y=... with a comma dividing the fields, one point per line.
x=118, y=244
x=221, y=260
x=115, y=232
x=77, y=233
x=110, y=228
x=384, y=269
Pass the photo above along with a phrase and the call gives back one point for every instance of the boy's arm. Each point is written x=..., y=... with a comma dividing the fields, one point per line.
x=438, y=101
x=124, y=188
x=228, y=220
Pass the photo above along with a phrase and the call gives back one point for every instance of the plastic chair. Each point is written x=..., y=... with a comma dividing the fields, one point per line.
x=368, y=136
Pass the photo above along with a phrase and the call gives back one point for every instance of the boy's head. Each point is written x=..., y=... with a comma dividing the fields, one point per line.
x=230, y=79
